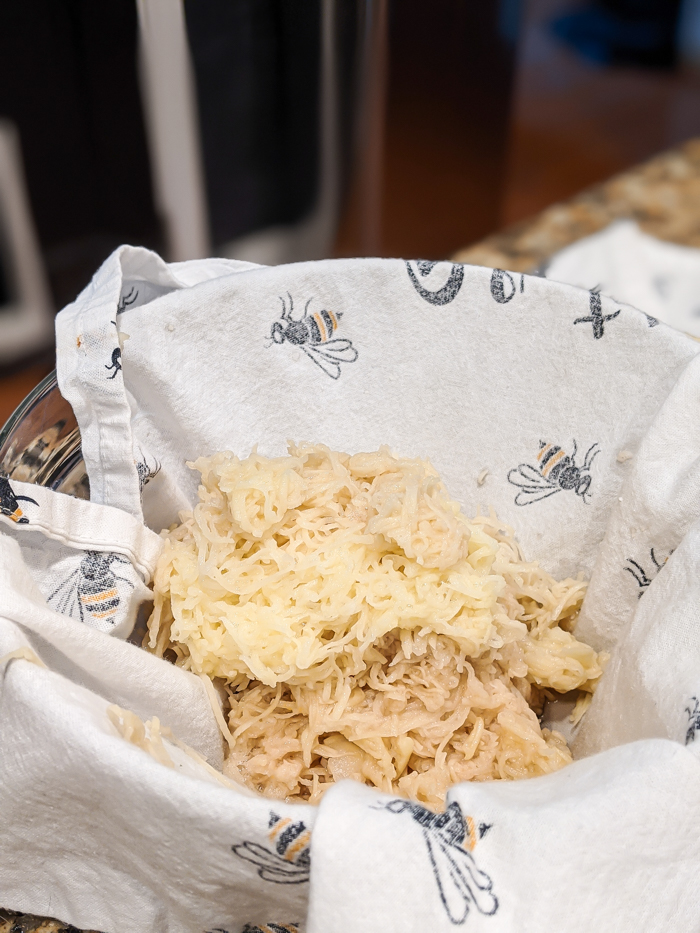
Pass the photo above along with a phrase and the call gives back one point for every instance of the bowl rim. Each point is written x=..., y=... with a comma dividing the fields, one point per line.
x=47, y=384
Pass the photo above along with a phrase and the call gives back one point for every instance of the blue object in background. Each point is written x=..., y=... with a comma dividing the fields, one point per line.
x=640, y=33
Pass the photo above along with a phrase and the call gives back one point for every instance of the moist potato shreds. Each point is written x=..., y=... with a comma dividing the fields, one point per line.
x=362, y=627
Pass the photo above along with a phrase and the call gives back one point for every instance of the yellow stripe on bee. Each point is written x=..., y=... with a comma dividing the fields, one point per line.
x=98, y=597
x=555, y=459
x=334, y=319
x=321, y=326
x=543, y=451
x=300, y=843
x=470, y=841
x=103, y=615
x=278, y=827
x=16, y=515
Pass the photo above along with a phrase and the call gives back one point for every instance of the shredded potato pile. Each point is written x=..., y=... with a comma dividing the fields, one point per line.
x=361, y=627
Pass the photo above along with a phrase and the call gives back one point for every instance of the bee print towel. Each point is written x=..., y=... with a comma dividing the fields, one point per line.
x=561, y=408
x=90, y=562
x=538, y=384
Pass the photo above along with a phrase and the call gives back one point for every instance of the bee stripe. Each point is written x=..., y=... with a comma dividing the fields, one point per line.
x=470, y=841
x=551, y=460
x=278, y=827
x=330, y=321
x=288, y=836
x=314, y=329
x=543, y=451
x=100, y=605
x=16, y=515
x=296, y=847
x=98, y=597
x=321, y=324
x=103, y=615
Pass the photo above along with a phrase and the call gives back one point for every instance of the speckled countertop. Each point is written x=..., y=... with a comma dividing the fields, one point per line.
x=662, y=195
x=26, y=923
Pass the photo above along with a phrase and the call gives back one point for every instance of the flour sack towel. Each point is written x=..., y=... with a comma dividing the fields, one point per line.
x=91, y=562
x=568, y=400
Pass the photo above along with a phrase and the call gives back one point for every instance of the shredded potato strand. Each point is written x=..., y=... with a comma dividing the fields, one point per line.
x=363, y=628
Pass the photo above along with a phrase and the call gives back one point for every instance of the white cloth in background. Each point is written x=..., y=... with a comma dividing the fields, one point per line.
x=550, y=389
x=657, y=277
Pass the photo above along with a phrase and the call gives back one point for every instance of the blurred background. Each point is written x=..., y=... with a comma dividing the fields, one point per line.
x=284, y=130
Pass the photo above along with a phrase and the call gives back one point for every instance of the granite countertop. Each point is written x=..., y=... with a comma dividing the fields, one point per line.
x=11, y=922
x=662, y=195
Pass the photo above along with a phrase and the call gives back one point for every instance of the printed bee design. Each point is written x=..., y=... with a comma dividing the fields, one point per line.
x=693, y=720
x=271, y=928
x=596, y=317
x=313, y=334
x=556, y=471
x=639, y=573
x=127, y=300
x=116, y=362
x=290, y=860
x=9, y=502
x=451, y=839
x=90, y=592
x=441, y=296
x=146, y=472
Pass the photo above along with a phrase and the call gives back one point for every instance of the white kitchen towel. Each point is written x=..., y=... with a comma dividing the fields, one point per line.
x=541, y=385
x=91, y=562
x=609, y=843
x=126, y=842
x=651, y=686
x=564, y=397
x=658, y=503
x=660, y=278
x=93, y=830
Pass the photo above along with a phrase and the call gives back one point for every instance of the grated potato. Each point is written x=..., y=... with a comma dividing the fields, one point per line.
x=362, y=627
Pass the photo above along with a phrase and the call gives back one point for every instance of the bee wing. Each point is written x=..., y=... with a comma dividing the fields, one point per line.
x=529, y=478
x=271, y=867
x=329, y=366
x=533, y=486
x=455, y=896
x=296, y=876
x=476, y=881
x=461, y=883
x=65, y=595
x=67, y=605
x=341, y=350
x=528, y=497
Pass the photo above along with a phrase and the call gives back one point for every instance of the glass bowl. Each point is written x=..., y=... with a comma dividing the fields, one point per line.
x=40, y=443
